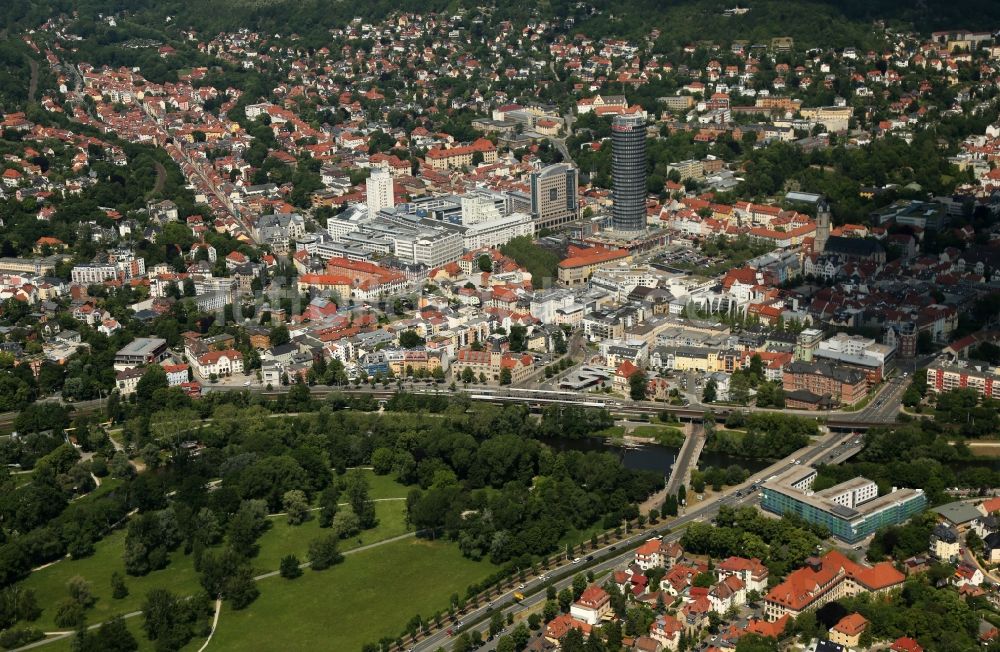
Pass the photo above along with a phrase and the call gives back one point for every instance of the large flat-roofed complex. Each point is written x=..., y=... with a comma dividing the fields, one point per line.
x=140, y=351
x=851, y=510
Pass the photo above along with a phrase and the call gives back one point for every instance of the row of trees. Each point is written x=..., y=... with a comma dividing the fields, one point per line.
x=919, y=454
x=783, y=544
x=765, y=434
x=483, y=481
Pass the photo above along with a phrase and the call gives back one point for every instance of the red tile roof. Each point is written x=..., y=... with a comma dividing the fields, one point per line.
x=764, y=628
x=851, y=624
x=906, y=644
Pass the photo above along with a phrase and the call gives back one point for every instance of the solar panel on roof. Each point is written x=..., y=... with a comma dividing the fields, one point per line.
x=843, y=512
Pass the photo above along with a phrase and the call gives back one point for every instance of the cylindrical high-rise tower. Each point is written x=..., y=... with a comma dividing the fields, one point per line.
x=628, y=171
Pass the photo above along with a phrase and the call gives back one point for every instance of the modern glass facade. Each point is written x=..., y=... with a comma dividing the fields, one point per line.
x=628, y=172
x=847, y=524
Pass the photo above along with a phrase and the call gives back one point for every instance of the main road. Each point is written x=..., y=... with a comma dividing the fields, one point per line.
x=623, y=552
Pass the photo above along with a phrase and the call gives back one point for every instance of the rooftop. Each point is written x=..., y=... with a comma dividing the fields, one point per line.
x=142, y=346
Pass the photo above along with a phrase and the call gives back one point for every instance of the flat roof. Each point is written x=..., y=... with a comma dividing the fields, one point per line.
x=958, y=512
x=822, y=500
x=847, y=485
x=142, y=346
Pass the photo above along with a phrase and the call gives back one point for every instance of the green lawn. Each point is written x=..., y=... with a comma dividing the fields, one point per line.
x=664, y=434
x=577, y=537
x=50, y=583
x=283, y=539
x=179, y=576
x=385, y=486
x=370, y=595
x=134, y=626
x=614, y=432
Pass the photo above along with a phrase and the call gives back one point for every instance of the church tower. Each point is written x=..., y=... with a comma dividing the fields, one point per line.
x=822, y=226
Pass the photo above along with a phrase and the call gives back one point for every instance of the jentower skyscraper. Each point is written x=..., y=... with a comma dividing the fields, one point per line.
x=628, y=171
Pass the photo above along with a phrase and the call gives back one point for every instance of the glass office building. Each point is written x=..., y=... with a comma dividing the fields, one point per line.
x=628, y=172
x=838, y=508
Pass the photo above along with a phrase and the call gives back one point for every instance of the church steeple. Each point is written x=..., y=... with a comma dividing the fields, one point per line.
x=822, y=226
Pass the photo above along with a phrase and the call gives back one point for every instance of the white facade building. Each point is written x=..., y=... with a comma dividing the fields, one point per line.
x=378, y=191
x=499, y=231
x=95, y=273
x=220, y=363
x=479, y=208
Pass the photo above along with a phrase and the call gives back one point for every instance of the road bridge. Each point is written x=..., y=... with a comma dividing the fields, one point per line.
x=687, y=460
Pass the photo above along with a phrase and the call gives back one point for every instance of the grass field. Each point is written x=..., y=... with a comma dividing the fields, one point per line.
x=577, y=537
x=179, y=576
x=50, y=583
x=614, y=432
x=134, y=626
x=984, y=447
x=370, y=595
x=384, y=486
x=667, y=435
x=283, y=539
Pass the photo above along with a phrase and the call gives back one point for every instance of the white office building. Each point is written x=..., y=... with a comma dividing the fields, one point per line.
x=498, y=231
x=379, y=191
x=478, y=208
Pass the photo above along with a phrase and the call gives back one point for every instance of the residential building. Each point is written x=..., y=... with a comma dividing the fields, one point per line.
x=127, y=380
x=558, y=627
x=92, y=273
x=848, y=630
x=752, y=572
x=593, y=606
x=727, y=593
x=666, y=630
x=991, y=548
x=806, y=344
x=944, y=543
x=177, y=374
x=905, y=644
x=657, y=553
x=944, y=376
x=490, y=364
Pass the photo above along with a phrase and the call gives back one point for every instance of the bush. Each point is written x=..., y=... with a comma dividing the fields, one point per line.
x=14, y=638
x=290, y=567
x=69, y=613
x=323, y=552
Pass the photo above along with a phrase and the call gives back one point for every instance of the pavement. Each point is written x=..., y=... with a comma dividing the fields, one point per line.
x=884, y=406
x=686, y=458
x=623, y=551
